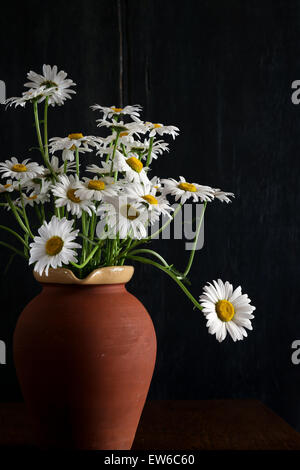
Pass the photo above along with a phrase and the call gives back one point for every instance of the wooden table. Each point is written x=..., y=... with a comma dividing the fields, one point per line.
x=182, y=425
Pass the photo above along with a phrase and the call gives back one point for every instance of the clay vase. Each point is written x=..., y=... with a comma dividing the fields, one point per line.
x=85, y=352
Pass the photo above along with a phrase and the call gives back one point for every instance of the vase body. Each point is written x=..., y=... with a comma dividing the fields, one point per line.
x=85, y=356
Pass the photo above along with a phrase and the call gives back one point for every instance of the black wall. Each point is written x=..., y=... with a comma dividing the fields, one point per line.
x=221, y=71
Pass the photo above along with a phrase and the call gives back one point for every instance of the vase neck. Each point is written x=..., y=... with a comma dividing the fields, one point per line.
x=94, y=289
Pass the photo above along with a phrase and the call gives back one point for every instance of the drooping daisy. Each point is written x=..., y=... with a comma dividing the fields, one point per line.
x=65, y=192
x=33, y=199
x=20, y=171
x=108, y=112
x=54, y=246
x=156, y=183
x=161, y=129
x=74, y=141
x=222, y=195
x=124, y=218
x=183, y=190
x=9, y=186
x=40, y=193
x=96, y=189
x=131, y=166
x=56, y=81
x=145, y=194
x=38, y=94
x=226, y=310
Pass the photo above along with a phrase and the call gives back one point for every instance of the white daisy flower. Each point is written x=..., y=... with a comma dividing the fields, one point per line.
x=55, y=246
x=131, y=166
x=96, y=189
x=33, y=198
x=59, y=169
x=161, y=129
x=226, y=310
x=9, y=186
x=13, y=169
x=145, y=194
x=124, y=218
x=222, y=195
x=65, y=192
x=106, y=146
x=40, y=193
x=124, y=129
x=183, y=190
x=155, y=182
x=74, y=141
x=54, y=80
x=108, y=112
x=38, y=94
x=142, y=148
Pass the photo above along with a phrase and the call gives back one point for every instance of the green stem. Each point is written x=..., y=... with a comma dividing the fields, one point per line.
x=24, y=214
x=18, y=252
x=149, y=152
x=172, y=275
x=84, y=231
x=77, y=161
x=3, y=227
x=191, y=259
x=39, y=136
x=17, y=216
x=46, y=129
x=80, y=266
x=151, y=252
x=113, y=156
x=166, y=224
x=38, y=213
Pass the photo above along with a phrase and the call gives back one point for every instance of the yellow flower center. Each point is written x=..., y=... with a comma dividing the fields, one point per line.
x=123, y=134
x=96, y=185
x=116, y=110
x=71, y=195
x=157, y=125
x=151, y=199
x=75, y=136
x=6, y=185
x=187, y=187
x=225, y=310
x=54, y=246
x=130, y=212
x=32, y=197
x=19, y=168
x=135, y=164
x=73, y=147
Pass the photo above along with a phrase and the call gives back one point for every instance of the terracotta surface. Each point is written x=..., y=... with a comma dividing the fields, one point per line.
x=107, y=275
x=85, y=356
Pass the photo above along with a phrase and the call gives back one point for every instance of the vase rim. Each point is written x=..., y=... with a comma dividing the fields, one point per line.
x=105, y=275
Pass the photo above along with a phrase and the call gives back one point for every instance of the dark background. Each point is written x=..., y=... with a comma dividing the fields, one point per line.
x=222, y=72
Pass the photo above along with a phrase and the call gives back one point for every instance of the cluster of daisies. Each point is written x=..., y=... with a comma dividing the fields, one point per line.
x=103, y=217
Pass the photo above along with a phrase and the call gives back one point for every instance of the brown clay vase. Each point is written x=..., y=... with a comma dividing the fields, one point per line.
x=85, y=352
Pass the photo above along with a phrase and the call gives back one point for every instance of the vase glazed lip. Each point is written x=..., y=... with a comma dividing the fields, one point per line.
x=106, y=275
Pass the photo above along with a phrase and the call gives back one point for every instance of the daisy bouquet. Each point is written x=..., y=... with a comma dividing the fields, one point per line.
x=102, y=216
